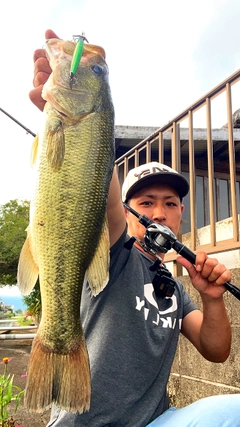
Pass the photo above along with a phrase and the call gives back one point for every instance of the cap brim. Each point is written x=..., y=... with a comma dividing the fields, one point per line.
x=173, y=180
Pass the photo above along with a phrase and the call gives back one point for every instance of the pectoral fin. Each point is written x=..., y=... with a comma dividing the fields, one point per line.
x=55, y=144
x=98, y=271
x=27, y=274
x=34, y=152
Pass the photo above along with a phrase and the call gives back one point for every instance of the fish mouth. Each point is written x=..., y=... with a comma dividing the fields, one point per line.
x=69, y=116
x=62, y=114
x=57, y=107
x=54, y=104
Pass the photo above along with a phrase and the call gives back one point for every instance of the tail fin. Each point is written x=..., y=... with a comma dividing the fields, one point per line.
x=60, y=378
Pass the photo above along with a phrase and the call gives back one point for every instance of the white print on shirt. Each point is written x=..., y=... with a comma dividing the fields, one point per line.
x=167, y=322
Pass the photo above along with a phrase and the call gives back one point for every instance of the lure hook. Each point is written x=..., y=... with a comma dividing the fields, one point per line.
x=77, y=54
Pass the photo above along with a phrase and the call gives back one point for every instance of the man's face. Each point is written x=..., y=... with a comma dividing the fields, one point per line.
x=160, y=203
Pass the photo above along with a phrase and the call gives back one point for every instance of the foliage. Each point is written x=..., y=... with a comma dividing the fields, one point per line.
x=23, y=321
x=18, y=311
x=14, y=218
x=33, y=302
x=13, y=223
x=8, y=393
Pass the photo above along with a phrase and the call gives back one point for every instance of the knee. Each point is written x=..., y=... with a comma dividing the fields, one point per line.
x=219, y=411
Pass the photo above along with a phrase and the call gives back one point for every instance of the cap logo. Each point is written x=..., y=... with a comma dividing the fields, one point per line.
x=153, y=169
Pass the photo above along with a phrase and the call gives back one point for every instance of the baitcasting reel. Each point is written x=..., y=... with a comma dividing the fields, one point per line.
x=160, y=239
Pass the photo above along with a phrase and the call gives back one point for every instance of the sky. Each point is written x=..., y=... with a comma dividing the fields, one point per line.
x=10, y=295
x=162, y=57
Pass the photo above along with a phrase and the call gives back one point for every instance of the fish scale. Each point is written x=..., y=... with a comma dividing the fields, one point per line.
x=67, y=237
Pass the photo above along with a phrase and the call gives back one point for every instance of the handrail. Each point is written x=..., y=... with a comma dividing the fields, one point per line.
x=214, y=195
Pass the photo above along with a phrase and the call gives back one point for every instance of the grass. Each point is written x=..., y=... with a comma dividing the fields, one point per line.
x=22, y=321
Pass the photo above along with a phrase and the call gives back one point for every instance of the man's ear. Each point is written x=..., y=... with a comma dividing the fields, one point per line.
x=126, y=212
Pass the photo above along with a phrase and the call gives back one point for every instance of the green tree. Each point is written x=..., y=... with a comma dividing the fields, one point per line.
x=14, y=217
x=34, y=303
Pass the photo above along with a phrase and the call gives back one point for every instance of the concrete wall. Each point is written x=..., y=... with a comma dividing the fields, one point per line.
x=192, y=377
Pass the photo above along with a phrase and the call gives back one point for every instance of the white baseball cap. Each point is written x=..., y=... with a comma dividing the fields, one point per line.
x=153, y=173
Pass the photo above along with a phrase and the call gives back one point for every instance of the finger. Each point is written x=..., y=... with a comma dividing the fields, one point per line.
x=38, y=53
x=225, y=277
x=208, y=268
x=184, y=262
x=49, y=34
x=40, y=78
x=188, y=265
x=220, y=274
x=35, y=96
x=42, y=64
x=213, y=271
x=201, y=257
x=42, y=70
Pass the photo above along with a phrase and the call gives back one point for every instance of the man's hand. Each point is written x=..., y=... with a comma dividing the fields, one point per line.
x=208, y=276
x=42, y=70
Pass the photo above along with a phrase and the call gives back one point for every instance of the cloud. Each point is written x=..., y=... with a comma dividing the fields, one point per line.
x=9, y=291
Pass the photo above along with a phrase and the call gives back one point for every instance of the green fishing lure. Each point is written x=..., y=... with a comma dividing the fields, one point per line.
x=76, y=57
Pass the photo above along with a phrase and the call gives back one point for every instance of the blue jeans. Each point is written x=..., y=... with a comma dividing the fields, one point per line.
x=214, y=411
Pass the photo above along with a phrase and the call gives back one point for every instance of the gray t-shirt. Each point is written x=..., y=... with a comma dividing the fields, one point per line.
x=131, y=338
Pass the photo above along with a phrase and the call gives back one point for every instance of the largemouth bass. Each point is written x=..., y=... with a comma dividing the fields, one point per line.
x=67, y=237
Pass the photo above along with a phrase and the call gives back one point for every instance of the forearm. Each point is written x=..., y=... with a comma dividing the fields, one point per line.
x=115, y=212
x=215, y=331
x=210, y=330
x=114, y=195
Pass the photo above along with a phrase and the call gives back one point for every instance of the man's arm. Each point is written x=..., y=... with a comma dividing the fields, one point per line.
x=115, y=211
x=210, y=330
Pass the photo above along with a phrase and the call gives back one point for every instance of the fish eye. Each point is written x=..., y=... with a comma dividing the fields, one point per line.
x=97, y=69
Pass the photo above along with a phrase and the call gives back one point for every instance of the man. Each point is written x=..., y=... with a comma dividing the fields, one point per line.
x=131, y=331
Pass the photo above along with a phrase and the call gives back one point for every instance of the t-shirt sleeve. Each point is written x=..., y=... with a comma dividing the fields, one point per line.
x=188, y=304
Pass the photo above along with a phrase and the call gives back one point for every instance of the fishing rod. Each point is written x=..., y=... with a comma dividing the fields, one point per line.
x=16, y=121
x=159, y=238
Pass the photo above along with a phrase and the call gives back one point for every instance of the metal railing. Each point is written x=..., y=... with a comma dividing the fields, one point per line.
x=5, y=332
x=207, y=153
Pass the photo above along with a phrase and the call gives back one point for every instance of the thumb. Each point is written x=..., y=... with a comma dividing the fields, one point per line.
x=49, y=34
x=188, y=265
